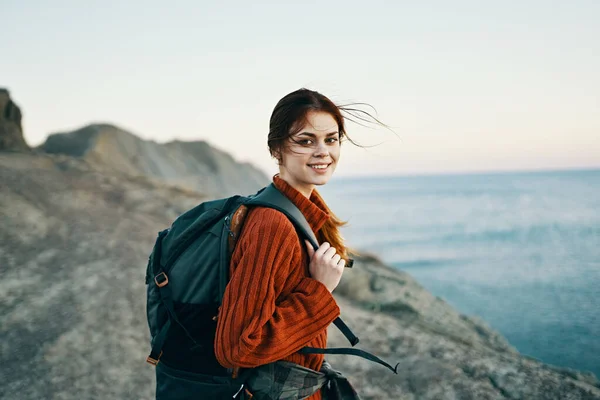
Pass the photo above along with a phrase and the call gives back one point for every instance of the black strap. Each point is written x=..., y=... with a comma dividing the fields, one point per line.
x=346, y=331
x=166, y=296
x=159, y=341
x=349, y=351
x=271, y=197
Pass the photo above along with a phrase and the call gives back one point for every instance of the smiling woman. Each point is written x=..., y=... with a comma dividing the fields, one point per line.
x=306, y=132
x=279, y=299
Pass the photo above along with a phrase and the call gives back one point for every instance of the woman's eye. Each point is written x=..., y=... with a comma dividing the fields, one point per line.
x=310, y=142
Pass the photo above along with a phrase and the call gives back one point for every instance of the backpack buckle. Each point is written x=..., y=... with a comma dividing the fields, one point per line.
x=161, y=280
x=153, y=361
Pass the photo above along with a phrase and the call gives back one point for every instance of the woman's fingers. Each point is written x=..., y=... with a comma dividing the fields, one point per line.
x=323, y=248
x=336, y=259
x=329, y=253
x=326, y=253
x=325, y=265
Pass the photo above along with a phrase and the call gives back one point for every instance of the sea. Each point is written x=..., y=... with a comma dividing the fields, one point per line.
x=520, y=250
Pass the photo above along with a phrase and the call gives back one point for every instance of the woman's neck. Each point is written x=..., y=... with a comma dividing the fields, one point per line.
x=305, y=189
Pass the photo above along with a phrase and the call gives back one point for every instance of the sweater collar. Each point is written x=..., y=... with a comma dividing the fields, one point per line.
x=313, y=209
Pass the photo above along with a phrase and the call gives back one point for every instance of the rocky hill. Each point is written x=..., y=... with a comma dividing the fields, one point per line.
x=193, y=165
x=74, y=241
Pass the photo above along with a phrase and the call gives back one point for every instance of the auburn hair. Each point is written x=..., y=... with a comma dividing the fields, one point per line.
x=289, y=117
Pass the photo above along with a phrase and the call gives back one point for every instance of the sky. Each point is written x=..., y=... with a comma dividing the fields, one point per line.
x=467, y=86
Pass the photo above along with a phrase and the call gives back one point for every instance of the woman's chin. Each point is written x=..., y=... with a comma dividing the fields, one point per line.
x=320, y=179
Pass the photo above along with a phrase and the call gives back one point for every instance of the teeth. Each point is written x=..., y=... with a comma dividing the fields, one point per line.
x=319, y=166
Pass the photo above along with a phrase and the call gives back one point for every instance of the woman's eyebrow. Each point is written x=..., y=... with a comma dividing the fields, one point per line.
x=313, y=135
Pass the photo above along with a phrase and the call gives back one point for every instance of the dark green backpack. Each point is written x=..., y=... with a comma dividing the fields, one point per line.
x=186, y=277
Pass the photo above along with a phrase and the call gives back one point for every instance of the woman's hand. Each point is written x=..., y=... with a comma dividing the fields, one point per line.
x=325, y=265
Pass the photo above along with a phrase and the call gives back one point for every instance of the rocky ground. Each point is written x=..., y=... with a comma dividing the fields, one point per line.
x=73, y=250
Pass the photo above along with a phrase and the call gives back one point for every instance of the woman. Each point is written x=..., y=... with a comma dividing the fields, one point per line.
x=279, y=299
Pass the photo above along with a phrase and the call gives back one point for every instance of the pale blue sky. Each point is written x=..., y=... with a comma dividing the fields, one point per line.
x=467, y=85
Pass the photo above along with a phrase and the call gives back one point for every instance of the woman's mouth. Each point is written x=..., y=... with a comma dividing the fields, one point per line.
x=319, y=168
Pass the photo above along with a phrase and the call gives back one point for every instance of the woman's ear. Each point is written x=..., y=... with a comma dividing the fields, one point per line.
x=277, y=156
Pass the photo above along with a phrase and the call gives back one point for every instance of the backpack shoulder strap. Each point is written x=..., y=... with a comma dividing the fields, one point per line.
x=271, y=197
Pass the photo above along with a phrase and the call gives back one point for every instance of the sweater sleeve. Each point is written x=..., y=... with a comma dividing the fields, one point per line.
x=257, y=324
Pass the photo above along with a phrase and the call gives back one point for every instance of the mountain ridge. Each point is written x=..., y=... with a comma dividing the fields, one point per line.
x=195, y=165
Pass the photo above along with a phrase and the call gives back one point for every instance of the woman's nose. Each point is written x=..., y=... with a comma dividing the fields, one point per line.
x=321, y=150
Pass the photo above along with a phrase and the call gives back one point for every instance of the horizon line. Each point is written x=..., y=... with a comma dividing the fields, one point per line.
x=541, y=170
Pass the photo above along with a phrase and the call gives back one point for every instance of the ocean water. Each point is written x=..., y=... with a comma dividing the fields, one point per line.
x=520, y=250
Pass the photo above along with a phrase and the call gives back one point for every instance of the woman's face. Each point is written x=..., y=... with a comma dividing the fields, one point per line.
x=312, y=154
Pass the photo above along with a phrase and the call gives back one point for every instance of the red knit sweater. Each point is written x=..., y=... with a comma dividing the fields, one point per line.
x=272, y=307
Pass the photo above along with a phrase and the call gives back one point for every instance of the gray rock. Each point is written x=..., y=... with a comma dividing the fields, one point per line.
x=435, y=365
x=11, y=132
x=377, y=287
x=73, y=248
